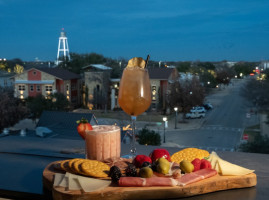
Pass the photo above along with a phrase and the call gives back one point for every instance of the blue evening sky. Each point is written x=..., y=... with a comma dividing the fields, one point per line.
x=174, y=30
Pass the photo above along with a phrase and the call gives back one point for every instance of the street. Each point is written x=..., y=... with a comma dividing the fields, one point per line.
x=223, y=126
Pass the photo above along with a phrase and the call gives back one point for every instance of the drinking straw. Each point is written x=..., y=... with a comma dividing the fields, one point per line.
x=147, y=61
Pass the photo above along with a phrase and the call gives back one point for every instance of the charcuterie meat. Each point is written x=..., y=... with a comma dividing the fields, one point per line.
x=196, y=176
x=146, y=182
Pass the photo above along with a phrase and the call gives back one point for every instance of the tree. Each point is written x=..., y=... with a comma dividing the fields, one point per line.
x=257, y=92
x=18, y=69
x=184, y=66
x=186, y=95
x=38, y=104
x=11, y=109
x=224, y=75
x=78, y=61
x=244, y=68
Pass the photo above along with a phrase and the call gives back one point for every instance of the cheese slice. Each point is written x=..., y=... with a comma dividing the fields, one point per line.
x=73, y=183
x=58, y=179
x=232, y=169
x=92, y=184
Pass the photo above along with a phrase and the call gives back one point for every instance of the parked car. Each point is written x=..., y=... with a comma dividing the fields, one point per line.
x=194, y=115
x=208, y=106
x=198, y=109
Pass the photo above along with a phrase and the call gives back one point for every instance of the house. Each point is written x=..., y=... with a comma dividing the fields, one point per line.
x=45, y=81
x=6, y=79
x=97, y=86
x=63, y=124
x=160, y=78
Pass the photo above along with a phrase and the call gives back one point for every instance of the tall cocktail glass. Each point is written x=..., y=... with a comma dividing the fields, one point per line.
x=134, y=94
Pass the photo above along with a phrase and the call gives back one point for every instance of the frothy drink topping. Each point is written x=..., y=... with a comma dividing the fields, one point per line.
x=104, y=128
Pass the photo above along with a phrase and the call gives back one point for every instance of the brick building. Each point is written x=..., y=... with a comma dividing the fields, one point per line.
x=45, y=81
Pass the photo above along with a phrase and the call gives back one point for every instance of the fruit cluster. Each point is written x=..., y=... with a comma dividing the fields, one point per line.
x=195, y=165
x=159, y=163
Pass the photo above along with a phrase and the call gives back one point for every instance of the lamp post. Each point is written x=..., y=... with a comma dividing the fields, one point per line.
x=175, y=108
x=164, y=119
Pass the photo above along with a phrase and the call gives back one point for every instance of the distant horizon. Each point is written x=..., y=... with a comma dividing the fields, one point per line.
x=163, y=61
x=173, y=31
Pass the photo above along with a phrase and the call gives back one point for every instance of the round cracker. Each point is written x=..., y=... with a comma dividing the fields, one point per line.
x=57, y=165
x=95, y=168
x=65, y=166
x=75, y=165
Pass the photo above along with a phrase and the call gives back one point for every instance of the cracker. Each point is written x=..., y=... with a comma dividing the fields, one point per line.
x=95, y=168
x=65, y=166
x=57, y=165
x=76, y=166
x=189, y=154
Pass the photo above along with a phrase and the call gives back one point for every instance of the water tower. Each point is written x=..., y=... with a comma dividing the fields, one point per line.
x=63, y=50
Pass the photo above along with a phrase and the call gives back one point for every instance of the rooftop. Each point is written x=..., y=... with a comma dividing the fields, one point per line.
x=60, y=73
x=160, y=73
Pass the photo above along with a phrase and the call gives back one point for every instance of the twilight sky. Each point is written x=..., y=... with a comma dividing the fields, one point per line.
x=174, y=30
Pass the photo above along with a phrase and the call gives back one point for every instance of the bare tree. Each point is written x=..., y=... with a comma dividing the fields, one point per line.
x=186, y=94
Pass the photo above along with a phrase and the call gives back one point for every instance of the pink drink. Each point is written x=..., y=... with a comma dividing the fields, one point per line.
x=103, y=142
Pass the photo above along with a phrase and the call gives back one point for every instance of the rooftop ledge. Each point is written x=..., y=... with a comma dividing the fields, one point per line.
x=24, y=158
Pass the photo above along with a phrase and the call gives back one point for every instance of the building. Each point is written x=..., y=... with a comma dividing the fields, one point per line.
x=6, y=79
x=97, y=86
x=45, y=81
x=160, y=78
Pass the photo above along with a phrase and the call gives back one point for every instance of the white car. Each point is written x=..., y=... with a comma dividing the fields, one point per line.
x=194, y=115
x=198, y=109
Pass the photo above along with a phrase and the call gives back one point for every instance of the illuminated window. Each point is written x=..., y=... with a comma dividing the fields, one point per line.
x=48, y=88
x=154, y=92
x=22, y=87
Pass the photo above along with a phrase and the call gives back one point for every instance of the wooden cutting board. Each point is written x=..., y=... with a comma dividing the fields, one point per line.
x=211, y=184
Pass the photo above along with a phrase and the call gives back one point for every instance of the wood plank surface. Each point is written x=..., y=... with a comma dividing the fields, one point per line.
x=212, y=184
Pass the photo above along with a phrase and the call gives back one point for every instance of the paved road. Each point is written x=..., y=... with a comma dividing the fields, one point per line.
x=222, y=127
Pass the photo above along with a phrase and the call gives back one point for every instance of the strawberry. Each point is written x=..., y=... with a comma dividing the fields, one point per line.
x=158, y=153
x=140, y=159
x=83, y=126
x=196, y=163
x=205, y=164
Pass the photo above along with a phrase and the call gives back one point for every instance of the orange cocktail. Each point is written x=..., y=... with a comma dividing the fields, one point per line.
x=135, y=91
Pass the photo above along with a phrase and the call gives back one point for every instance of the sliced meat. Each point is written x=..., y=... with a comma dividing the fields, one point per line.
x=206, y=173
x=196, y=176
x=131, y=182
x=146, y=182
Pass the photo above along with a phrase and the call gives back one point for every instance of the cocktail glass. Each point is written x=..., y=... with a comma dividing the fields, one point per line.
x=134, y=94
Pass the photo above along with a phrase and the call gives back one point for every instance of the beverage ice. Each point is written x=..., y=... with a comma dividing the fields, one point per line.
x=103, y=142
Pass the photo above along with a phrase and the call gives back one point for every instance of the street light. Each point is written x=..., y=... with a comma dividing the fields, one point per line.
x=175, y=108
x=164, y=119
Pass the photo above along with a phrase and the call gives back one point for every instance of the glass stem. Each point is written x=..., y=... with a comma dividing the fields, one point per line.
x=133, y=148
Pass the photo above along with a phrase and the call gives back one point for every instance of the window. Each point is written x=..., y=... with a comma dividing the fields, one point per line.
x=153, y=89
x=48, y=88
x=38, y=88
x=98, y=88
x=34, y=73
x=22, y=87
x=31, y=88
x=67, y=87
x=73, y=87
